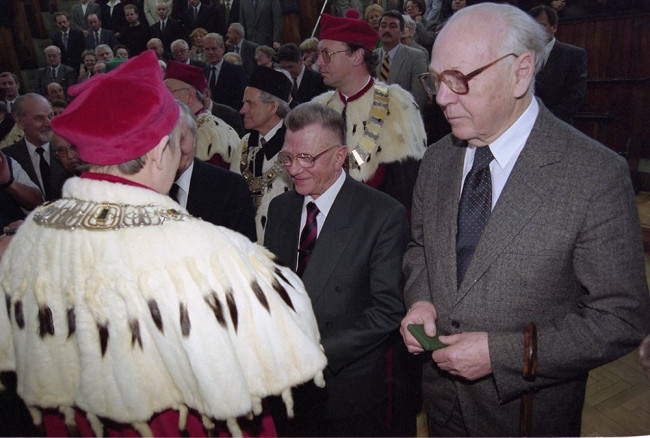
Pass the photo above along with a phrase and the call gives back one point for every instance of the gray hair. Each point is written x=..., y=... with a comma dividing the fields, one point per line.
x=409, y=22
x=313, y=113
x=187, y=118
x=179, y=42
x=103, y=46
x=18, y=107
x=237, y=27
x=523, y=33
x=215, y=36
x=268, y=98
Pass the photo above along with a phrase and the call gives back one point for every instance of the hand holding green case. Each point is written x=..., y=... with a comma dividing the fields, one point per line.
x=428, y=343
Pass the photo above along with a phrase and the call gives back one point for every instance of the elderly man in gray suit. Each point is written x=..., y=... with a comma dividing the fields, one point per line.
x=517, y=217
x=400, y=64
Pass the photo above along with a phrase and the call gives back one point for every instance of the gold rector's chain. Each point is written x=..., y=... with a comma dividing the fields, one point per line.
x=72, y=213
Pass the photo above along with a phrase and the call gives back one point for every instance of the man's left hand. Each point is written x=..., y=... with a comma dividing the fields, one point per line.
x=466, y=355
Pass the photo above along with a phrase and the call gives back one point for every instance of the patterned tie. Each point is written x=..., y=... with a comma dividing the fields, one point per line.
x=307, y=238
x=52, y=74
x=385, y=68
x=196, y=12
x=473, y=209
x=44, y=168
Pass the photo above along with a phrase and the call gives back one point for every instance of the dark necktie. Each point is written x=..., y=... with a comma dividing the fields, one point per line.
x=96, y=38
x=162, y=26
x=294, y=89
x=173, y=192
x=473, y=209
x=44, y=168
x=236, y=49
x=52, y=74
x=196, y=12
x=385, y=68
x=65, y=41
x=213, y=78
x=307, y=238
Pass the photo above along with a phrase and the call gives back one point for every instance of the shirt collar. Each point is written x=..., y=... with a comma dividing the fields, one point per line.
x=512, y=141
x=345, y=99
x=325, y=201
x=183, y=181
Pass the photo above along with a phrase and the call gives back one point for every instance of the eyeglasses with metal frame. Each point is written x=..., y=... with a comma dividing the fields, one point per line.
x=455, y=80
x=327, y=55
x=305, y=161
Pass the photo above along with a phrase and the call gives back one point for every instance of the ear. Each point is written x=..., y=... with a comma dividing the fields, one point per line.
x=524, y=67
x=358, y=57
x=340, y=155
x=156, y=154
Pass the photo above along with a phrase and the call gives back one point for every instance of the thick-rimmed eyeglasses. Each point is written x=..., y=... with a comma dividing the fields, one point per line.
x=327, y=55
x=455, y=80
x=304, y=160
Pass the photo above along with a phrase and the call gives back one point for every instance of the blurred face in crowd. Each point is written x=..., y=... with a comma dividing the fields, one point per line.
x=156, y=45
x=162, y=10
x=389, y=32
x=180, y=52
x=232, y=36
x=66, y=153
x=131, y=17
x=35, y=120
x=213, y=52
x=294, y=68
x=413, y=9
x=314, y=140
x=55, y=92
x=62, y=23
x=373, y=20
x=10, y=86
x=122, y=53
x=263, y=60
x=53, y=56
x=57, y=110
x=94, y=23
x=542, y=19
x=104, y=54
x=458, y=4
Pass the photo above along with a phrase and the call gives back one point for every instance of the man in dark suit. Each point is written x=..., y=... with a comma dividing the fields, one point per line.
x=70, y=41
x=214, y=194
x=230, y=12
x=226, y=81
x=543, y=228
x=203, y=15
x=34, y=154
x=181, y=52
x=55, y=71
x=262, y=20
x=562, y=82
x=136, y=35
x=349, y=257
x=405, y=63
x=113, y=16
x=235, y=42
x=307, y=83
x=166, y=29
x=97, y=34
x=80, y=12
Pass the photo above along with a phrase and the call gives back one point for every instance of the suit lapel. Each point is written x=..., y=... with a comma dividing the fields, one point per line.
x=22, y=156
x=331, y=243
x=529, y=184
x=290, y=230
x=396, y=65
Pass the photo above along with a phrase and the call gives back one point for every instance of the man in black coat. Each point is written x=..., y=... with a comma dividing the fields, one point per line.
x=214, y=194
x=227, y=81
x=166, y=29
x=113, y=16
x=70, y=41
x=307, y=83
x=203, y=15
x=562, y=81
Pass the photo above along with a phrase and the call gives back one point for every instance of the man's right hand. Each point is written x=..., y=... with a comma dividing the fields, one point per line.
x=421, y=312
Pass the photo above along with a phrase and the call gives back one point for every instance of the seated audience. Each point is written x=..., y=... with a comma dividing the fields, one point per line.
x=55, y=71
x=196, y=51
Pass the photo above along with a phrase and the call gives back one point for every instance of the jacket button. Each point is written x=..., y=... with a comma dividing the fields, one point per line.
x=455, y=324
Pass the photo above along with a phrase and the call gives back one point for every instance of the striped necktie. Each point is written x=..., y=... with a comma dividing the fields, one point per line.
x=385, y=68
x=307, y=238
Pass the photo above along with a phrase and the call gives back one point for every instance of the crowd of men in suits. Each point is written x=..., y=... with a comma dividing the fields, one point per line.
x=329, y=168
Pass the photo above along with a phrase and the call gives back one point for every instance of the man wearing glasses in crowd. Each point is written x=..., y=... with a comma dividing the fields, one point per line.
x=349, y=257
x=384, y=130
x=517, y=218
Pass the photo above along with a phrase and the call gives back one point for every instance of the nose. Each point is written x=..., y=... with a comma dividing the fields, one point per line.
x=319, y=61
x=445, y=96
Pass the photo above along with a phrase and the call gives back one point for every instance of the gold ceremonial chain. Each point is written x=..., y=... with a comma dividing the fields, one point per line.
x=72, y=213
x=258, y=185
x=378, y=113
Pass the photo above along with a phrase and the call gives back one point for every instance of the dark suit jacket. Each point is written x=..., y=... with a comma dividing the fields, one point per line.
x=229, y=89
x=562, y=248
x=263, y=22
x=221, y=197
x=407, y=64
x=208, y=18
x=106, y=36
x=65, y=76
x=76, y=45
x=233, y=17
x=311, y=85
x=230, y=116
x=18, y=151
x=78, y=20
x=136, y=37
x=354, y=281
x=173, y=31
x=115, y=22
x=247, y=54
x=562, y=82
